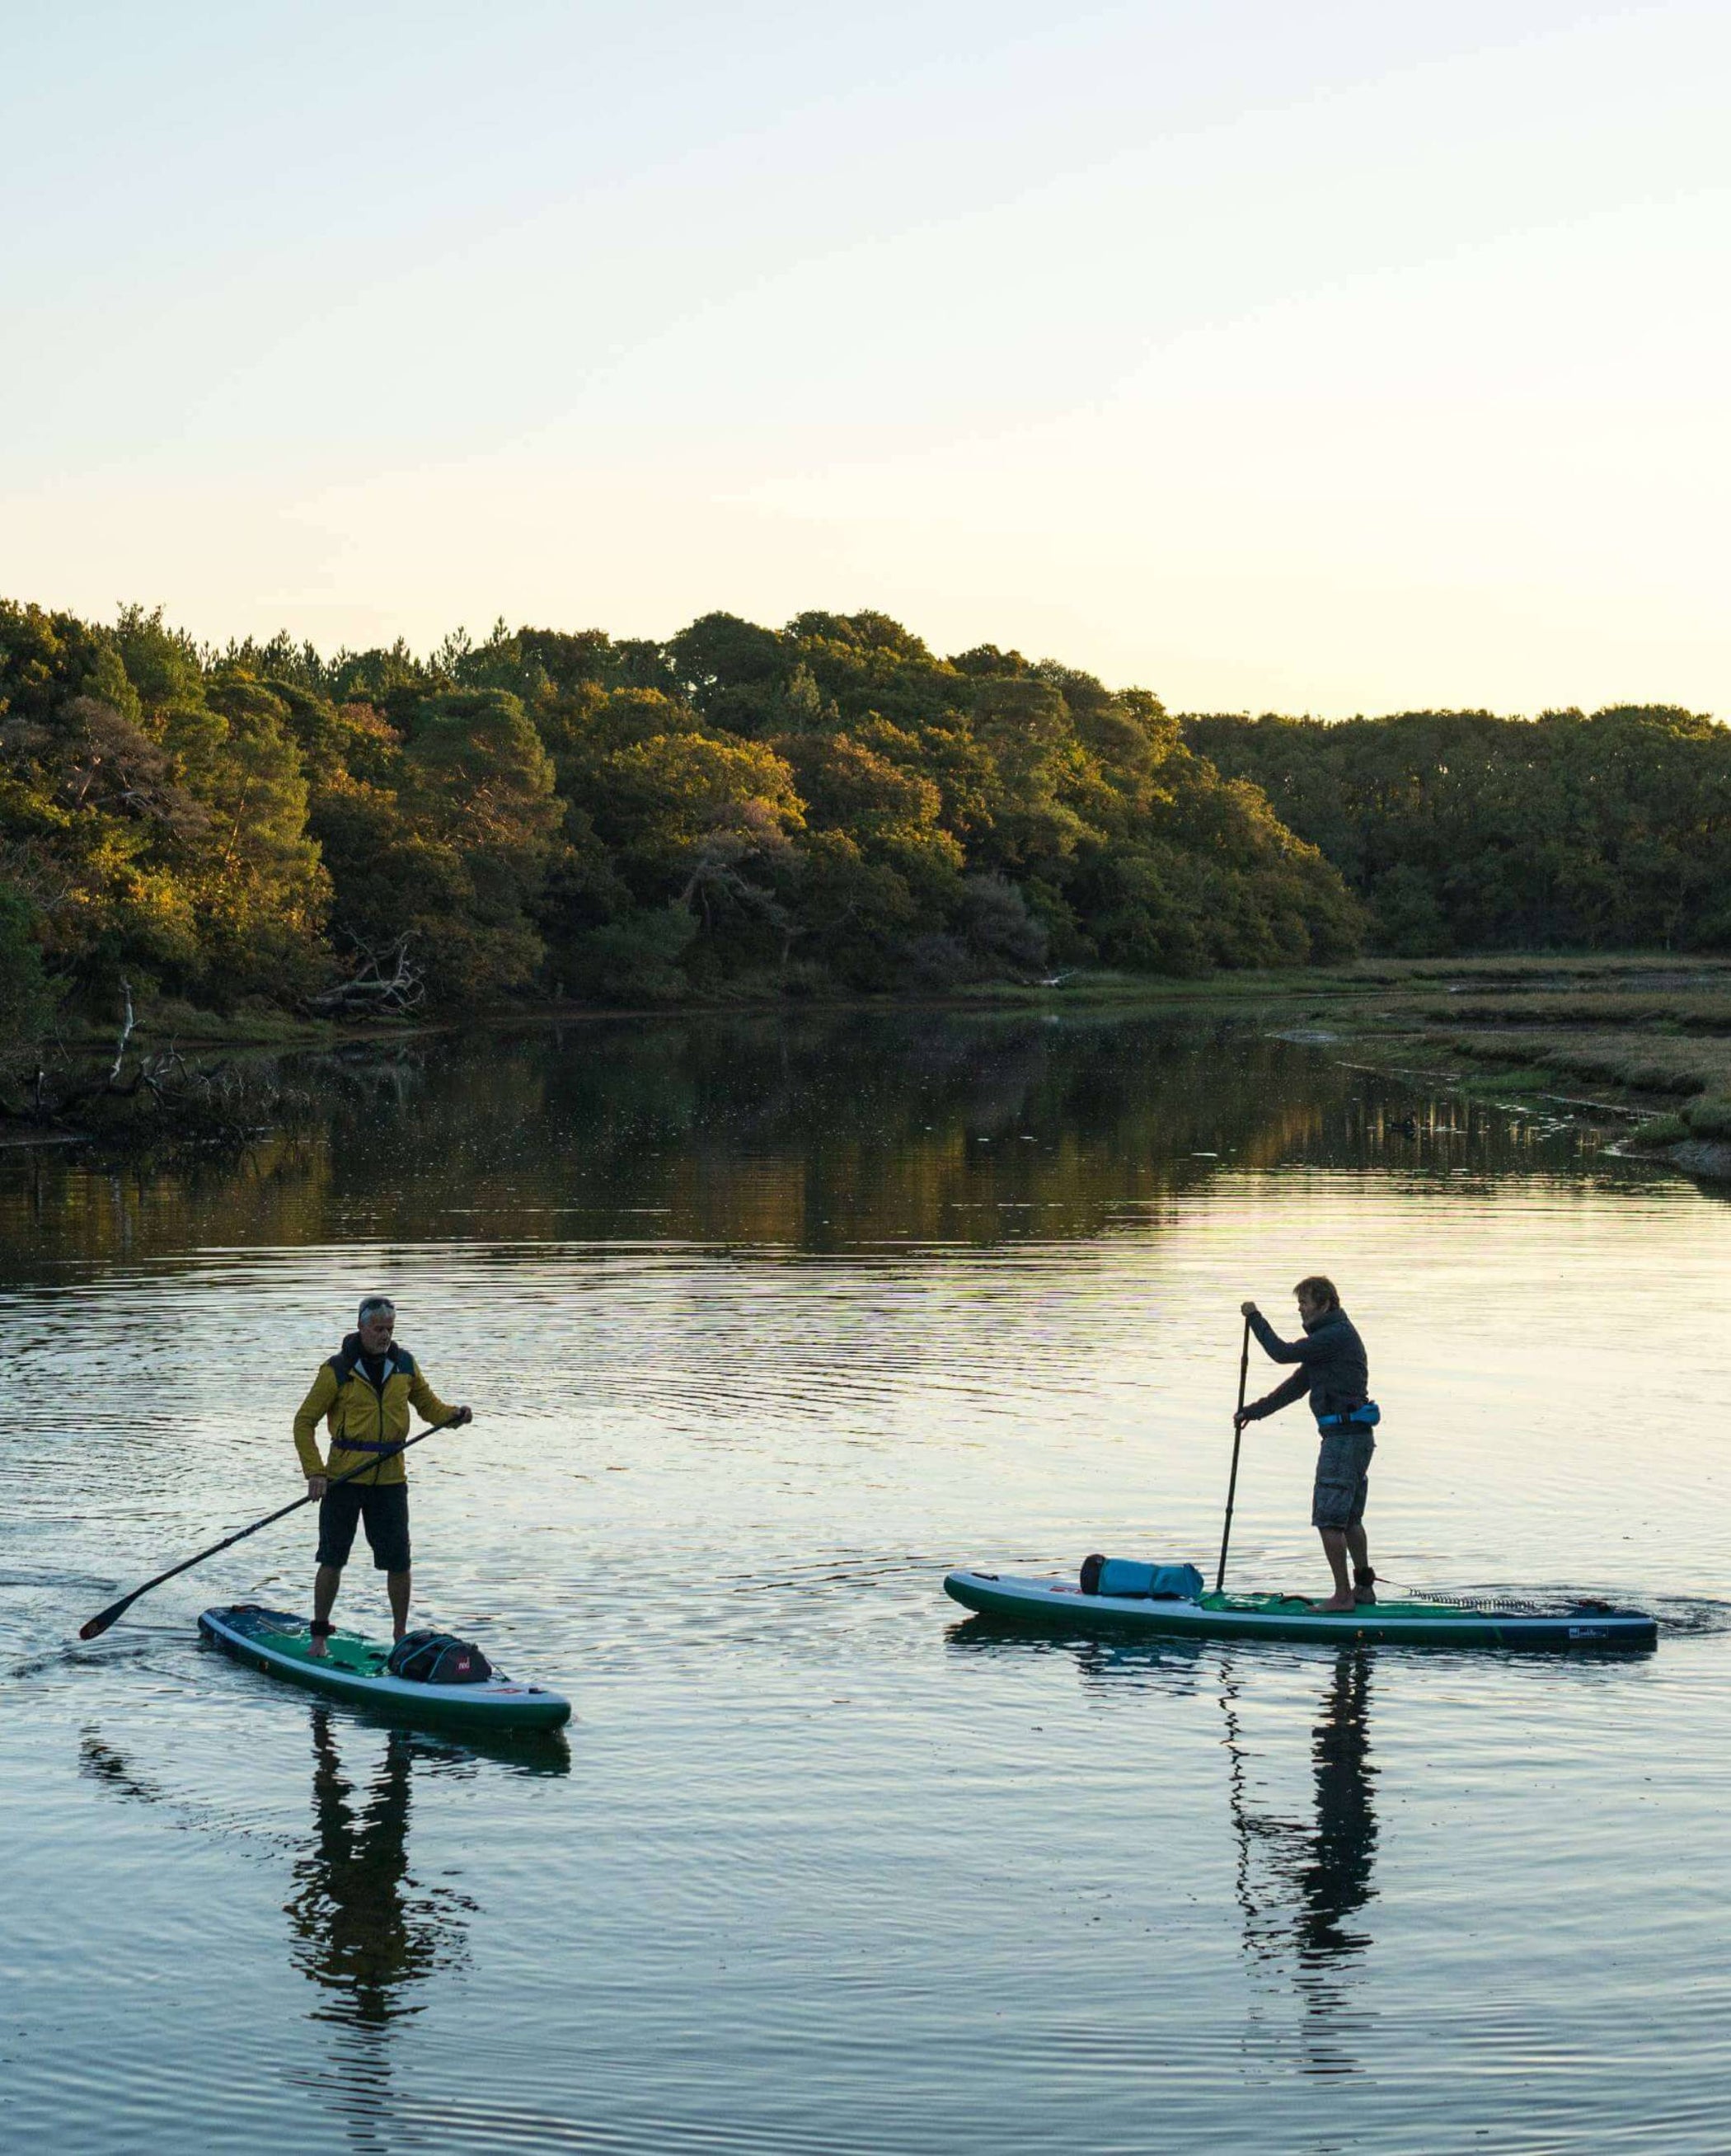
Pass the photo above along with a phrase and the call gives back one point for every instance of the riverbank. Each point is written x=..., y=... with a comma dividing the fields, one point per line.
x=1648, y=1035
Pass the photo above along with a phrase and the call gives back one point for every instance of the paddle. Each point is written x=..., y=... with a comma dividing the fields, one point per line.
x=1237, y=1433
x=99, y=1623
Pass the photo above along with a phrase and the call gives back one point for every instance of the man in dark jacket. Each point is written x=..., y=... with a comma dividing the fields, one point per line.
x=1333, y=1370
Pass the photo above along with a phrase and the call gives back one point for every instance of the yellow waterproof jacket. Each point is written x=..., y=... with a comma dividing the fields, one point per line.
x=363, y=1419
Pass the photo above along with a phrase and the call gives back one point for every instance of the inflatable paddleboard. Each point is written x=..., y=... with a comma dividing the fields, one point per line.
x=1487, y=1623
x=354, y=1669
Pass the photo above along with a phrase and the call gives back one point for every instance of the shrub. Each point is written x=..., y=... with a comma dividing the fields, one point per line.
x=23, y=991
x=636, y=959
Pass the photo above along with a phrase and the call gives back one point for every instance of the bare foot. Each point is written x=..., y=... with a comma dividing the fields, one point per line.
x=1336, y=1604
x=317, y=1650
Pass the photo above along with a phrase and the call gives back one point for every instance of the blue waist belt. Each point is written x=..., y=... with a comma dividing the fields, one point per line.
x=1365, y=1418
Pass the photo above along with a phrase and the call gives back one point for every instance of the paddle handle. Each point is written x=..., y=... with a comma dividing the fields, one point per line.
x=100, y=1622
x=1226, y=1533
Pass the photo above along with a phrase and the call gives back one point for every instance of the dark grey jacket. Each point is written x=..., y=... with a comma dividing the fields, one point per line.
x=1332, y=1368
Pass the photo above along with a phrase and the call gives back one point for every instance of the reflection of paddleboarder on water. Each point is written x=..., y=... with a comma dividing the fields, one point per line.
x=1335, y=1878
x=364, y=1930
x=1322, y=1873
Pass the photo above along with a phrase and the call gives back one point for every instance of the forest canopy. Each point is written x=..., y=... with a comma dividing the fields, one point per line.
x=824, y=807
x=1460, y=831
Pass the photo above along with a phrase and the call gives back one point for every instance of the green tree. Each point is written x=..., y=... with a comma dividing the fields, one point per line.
x=24, y=1004
x=826, y=804
x=1466, y=831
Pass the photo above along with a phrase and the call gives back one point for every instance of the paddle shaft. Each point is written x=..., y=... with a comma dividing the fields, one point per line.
x=1226, y=1532
x=99, y=1624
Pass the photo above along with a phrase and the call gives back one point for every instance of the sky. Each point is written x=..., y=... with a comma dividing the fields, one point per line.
x=1331, y=358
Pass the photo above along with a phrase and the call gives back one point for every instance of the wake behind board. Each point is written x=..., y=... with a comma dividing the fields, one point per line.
x=354, y=1669
x=1060, y=1603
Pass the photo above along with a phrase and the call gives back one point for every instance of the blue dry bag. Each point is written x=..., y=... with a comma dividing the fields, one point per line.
x=1126, y=1575
x=1365, y=1418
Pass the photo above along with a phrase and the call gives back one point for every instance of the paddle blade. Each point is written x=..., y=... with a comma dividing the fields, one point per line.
x=103, y=1618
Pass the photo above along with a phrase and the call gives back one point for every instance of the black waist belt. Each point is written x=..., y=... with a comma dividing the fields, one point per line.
x=367, y=1444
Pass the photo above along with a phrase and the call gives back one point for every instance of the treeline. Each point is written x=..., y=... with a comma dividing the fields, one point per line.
x=1460, y=831
x=822, y=808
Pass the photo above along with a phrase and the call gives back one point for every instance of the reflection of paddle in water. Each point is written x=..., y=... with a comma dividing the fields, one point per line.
x=1312, y=1878
x=365, y=1929
x=1298, y=1883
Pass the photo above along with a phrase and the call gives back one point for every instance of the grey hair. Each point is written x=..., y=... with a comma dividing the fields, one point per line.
x=372, y=1303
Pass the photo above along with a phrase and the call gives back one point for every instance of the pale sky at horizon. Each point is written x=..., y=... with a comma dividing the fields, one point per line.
x=1335, y=358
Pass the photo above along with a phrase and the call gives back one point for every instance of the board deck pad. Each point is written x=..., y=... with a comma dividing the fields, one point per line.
x=1472, y=1621
x=279, y=1642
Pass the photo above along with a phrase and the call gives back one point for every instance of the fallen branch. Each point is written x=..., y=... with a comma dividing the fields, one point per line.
x=390, y=985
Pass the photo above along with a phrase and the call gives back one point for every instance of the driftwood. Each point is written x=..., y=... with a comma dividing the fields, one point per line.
x=163, y=1097
x=383, y=985
x=49, y=1104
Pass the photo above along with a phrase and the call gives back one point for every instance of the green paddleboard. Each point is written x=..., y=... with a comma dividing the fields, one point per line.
x=1485, y=1623
x=354, y=1669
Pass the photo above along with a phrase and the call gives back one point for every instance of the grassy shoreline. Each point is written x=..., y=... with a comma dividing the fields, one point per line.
x=1649, y=1034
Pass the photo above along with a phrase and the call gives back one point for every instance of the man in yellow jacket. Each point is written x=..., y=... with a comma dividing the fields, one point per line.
x=365, y=1395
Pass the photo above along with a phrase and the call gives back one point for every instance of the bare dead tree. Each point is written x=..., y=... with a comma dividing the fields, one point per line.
x=126, y=1026
x=384, y=984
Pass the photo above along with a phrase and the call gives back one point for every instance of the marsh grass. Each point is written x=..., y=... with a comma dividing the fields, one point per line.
x=1709, y=1119
x=1638, y=1062
x=1635, y=1029
x=1685, y=1012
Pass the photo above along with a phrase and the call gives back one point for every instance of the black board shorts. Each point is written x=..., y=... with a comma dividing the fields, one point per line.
x=1343, y=1473
x=384, y=1506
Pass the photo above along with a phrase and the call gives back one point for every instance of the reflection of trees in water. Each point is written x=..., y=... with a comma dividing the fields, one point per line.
x=1300, y=1883
x=363, y=1927
x=789, y=1129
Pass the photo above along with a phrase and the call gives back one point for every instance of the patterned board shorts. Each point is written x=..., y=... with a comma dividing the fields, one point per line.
x=1342, y=1471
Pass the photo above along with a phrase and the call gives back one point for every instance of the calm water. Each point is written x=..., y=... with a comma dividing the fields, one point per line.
x=765, y=1326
